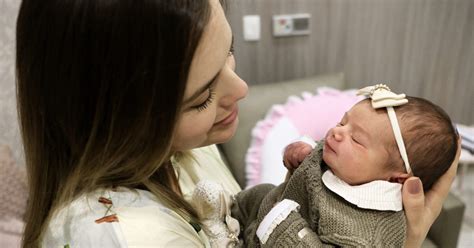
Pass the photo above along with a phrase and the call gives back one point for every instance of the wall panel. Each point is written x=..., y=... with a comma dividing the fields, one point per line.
x=422, y=47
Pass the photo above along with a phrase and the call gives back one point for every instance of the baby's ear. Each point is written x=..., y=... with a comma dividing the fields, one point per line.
x=398, y=177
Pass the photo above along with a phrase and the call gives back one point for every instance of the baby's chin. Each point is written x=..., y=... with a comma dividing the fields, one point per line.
x=326, y=159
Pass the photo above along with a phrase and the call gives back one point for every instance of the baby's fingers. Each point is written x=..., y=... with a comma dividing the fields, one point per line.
x=303, y=153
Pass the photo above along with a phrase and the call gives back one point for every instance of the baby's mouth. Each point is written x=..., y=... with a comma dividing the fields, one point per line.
x=328, y=147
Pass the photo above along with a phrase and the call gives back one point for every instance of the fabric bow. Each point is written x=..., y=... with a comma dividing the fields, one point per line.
x=383, y=97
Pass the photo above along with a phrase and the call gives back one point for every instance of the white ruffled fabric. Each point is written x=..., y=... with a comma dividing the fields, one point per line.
x=278, y=214
x=375, y=195
x=212, y=203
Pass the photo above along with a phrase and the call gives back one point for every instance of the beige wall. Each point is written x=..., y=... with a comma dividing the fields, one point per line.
x=422, y=47
x=9, y=133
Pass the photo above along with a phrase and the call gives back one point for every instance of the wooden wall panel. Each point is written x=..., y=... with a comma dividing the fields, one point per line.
x=422, y=47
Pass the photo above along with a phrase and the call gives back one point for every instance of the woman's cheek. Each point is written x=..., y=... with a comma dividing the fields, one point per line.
x=201, y=125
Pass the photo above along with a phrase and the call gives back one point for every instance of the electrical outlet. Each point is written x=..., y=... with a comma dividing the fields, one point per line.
x=251, y=27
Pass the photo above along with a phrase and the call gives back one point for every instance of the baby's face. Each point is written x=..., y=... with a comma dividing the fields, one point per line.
x=356, y=149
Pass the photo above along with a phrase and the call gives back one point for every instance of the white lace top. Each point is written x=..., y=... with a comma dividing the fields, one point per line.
x=124, y=218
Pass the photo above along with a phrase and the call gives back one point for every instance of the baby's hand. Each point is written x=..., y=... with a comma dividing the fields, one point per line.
x=295, y=153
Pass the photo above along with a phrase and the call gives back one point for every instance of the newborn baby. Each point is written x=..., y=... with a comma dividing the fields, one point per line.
x=347, y=191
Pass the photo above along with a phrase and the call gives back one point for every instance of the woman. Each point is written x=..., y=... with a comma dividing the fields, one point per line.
x=120, y=103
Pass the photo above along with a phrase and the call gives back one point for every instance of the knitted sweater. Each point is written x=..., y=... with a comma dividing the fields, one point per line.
x=333, y=221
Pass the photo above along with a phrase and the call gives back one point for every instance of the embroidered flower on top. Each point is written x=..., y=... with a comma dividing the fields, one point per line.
x=109, y=215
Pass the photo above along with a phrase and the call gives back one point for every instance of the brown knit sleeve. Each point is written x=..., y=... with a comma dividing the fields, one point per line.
x=390, y=230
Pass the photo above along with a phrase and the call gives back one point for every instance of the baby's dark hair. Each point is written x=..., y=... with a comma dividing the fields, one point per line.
x=430, y=139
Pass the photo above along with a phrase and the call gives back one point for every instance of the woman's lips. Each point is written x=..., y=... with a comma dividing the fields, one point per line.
x=229, y=119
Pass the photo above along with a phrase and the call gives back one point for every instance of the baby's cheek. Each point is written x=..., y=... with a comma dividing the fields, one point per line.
x=350, y=152
x=349, y=155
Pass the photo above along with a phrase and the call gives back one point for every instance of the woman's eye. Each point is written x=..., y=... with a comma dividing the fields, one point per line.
x=339, y=124
x=231, y=50
x=206, y=103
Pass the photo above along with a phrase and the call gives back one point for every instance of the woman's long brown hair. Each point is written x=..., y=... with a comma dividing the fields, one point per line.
x=99, y=88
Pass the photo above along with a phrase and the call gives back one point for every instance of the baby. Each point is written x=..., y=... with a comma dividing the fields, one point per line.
x=347, y=190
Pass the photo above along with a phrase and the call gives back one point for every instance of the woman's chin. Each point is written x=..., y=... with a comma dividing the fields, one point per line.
x=223, y=135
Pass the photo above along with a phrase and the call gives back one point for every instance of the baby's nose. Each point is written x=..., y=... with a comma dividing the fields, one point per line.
x=338, y=134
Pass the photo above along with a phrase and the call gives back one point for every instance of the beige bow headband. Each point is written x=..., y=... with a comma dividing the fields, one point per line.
x=382, y=97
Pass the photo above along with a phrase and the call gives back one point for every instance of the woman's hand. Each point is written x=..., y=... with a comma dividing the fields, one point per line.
x=422, y=210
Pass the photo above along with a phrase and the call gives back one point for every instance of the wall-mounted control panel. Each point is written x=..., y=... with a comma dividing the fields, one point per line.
x=288, y=25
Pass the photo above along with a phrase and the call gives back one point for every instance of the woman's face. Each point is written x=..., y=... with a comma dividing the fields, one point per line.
x=210, y=112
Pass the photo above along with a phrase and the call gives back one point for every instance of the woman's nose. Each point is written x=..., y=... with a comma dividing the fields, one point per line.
x=241, y=88
x=235, y=89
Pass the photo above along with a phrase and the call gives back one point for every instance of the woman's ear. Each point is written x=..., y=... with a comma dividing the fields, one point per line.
x=398, y=177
